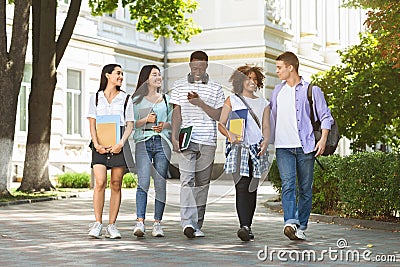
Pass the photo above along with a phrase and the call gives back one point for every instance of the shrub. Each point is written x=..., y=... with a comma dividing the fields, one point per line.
x=73, y=180
x=273, y=176
x=369, y=185
x=130, y=180
x=325, y=185
x=363, y=185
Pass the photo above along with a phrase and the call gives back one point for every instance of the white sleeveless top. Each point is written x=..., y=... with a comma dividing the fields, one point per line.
x=253, y=133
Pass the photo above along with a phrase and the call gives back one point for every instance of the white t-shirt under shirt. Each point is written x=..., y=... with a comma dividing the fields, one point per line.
x=204, y=128
x=286, y=131
x=253, y=133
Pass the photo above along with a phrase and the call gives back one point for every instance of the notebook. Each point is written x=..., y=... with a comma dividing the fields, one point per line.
x=185, y=135
x=143, y=113
x=108, y=129
x=237, y=126
x=237, y=122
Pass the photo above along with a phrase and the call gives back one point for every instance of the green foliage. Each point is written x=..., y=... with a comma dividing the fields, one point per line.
x=16, y=195
x=369, y=185
x=160, y=17
x=74, y=180
x=273, y=176
x=82, y=180
x=130, y=180
x=383, y=21
x=363, y=185
x=364, y=96
x=325, y=186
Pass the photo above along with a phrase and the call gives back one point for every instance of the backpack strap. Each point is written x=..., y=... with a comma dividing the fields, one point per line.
x=312, y=118
x=166, y=104
x=250, y=110
x=125, y=104
x=311, y=102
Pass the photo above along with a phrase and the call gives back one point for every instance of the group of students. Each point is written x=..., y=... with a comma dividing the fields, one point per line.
x=198, y=102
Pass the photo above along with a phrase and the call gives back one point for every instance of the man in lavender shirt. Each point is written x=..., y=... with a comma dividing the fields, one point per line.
x=293, y=137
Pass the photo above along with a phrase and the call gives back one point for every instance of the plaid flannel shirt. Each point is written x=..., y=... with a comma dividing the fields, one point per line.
x=260, y=163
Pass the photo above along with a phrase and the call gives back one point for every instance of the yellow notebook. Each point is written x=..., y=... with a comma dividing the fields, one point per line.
x=237, y=126
x=107, y=134
x=108, y=129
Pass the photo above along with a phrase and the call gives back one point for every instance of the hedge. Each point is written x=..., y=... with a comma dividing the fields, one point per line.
x=363, y=185
x=82, y=180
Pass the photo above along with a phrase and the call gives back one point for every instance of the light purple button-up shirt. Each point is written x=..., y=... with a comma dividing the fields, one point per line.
x=304, y=125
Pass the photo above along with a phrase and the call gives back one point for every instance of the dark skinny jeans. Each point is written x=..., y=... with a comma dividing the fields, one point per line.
x=246, y=196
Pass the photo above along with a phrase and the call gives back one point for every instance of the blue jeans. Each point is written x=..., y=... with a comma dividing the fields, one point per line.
x=152, y=158
x=292, y=162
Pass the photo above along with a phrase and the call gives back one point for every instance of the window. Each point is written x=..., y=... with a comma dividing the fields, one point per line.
x=22, y=113
x=74, y=106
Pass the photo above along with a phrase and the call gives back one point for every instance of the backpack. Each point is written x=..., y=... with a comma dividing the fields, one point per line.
x=333, y=136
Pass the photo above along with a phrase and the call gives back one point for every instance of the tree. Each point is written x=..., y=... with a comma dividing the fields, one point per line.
x=383, y=21
x=160, y=17
x=12, y=63
x=364, y=95
x=48, y=52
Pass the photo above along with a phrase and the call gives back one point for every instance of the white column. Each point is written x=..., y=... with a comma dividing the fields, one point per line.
x=308, y=18
x=308, y=30
x=332, y=23
x=332, y=31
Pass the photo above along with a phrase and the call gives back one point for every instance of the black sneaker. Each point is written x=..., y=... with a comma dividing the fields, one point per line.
x=244, y=233
x=251, y=235
x=188, y=231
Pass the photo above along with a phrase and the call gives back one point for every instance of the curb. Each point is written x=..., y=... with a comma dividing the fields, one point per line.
x=359, y=223
x=35, y=200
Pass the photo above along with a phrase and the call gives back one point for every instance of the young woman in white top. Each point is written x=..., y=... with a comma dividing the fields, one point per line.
x=109, y=100
x=247, y=156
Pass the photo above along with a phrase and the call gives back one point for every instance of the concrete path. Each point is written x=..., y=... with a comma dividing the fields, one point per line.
x=54, y=233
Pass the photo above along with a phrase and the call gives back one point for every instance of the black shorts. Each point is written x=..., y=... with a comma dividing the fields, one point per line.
x=122, y=159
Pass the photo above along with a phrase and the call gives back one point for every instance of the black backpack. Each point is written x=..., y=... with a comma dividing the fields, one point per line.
x=333, y=136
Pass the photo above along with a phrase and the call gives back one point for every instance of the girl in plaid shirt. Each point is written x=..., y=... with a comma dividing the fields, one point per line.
x=248, y=152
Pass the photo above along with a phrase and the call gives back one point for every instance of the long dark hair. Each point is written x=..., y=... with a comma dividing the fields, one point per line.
x=142, y=88
x=103, y=79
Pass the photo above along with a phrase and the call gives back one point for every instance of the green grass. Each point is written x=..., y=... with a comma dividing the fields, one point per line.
x=17, y=195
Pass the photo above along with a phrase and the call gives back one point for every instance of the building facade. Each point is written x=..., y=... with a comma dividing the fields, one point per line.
x=235, y=32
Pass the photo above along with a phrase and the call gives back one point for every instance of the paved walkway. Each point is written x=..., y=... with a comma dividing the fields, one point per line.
x=53, y=233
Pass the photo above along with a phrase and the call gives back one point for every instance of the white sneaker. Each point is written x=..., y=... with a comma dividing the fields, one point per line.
x=199, y=233
x=300, y=235
x=290, y=230
x=112, y=232
x=157, y=230
x=139, y=230
x=95, y=230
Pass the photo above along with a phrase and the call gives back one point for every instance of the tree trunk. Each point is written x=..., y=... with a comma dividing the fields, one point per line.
x=36, y=174
x=47, y=54
x=67, y=29
x=11, y=73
